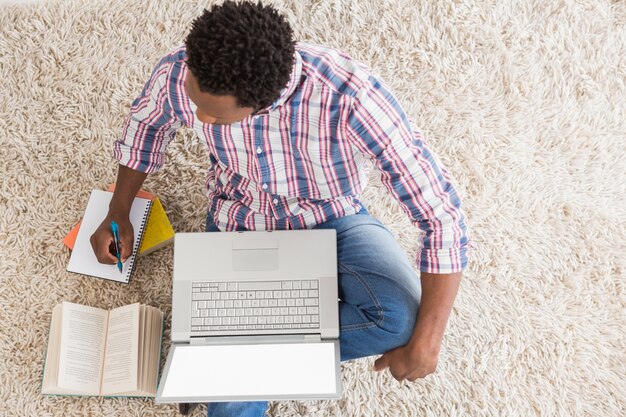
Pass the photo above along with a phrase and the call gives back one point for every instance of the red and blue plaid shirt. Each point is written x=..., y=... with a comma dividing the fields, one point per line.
x=305, y=159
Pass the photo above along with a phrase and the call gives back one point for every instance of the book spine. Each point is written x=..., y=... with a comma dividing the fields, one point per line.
x=45, y=357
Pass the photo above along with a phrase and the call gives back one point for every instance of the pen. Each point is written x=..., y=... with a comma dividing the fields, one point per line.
x=116, y=239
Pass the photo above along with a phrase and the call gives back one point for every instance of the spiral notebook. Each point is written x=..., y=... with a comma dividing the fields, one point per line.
x=83, y=260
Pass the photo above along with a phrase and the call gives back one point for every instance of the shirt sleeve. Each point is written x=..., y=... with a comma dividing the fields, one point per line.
x=149, y=127
x=413, y=174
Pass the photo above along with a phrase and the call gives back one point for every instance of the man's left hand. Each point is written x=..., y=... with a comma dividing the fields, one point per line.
x=409, y=362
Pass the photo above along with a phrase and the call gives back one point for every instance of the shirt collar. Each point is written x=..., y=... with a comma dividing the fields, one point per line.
x=294, y=80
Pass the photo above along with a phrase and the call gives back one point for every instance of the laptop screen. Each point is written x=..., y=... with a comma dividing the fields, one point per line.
x=254, y=371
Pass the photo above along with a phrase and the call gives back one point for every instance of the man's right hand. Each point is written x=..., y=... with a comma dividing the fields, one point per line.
x=102, y=240
x=126, y=186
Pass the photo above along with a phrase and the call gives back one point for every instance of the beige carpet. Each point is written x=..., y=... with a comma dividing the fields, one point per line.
x=525, y=103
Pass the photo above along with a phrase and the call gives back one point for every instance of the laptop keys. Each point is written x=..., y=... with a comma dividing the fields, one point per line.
x=267, y=305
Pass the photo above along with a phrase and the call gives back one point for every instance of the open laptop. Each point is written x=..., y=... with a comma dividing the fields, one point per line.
x=254, y=317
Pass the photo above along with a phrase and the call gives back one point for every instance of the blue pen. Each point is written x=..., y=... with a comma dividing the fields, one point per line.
x=116, y=238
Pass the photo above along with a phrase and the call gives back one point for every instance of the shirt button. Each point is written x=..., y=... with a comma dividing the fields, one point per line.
x=265, y=186
x=259, y=150
x=275, y=201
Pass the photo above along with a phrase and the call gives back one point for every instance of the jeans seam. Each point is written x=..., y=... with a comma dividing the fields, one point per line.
x=375, y=223
x=343, y=268
x=361, y=326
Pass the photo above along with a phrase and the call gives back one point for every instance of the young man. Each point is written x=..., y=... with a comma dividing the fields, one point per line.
x=291, y=130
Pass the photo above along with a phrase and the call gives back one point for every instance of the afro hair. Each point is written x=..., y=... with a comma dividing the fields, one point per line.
x=241, y=49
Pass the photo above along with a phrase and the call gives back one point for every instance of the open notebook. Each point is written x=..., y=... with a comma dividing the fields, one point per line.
x=83, y=260
x=159, y=231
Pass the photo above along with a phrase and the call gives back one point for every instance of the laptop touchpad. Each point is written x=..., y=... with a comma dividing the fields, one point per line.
x=255, y=255
x=255, y=259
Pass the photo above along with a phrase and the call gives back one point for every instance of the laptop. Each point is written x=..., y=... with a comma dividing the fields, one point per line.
x=254, y=317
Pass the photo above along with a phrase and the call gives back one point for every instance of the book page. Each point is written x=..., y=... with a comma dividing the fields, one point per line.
x=122, y=348
x=158, y=340
x=83, y=333
x=149, y=337
x=141, y=369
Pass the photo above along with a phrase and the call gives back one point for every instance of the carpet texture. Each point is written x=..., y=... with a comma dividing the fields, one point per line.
x=523, y=101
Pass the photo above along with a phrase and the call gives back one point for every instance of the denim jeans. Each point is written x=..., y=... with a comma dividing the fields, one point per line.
x=379, y=296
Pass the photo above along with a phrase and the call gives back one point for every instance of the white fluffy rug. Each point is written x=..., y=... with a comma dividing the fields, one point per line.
x=524, y=102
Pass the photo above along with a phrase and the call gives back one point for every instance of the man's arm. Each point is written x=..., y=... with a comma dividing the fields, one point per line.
x=414, y=176
x=127, y=186
x=150, y=126
x=438, y=294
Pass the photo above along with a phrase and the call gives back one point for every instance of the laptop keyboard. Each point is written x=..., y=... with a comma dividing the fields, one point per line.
x=257, y=305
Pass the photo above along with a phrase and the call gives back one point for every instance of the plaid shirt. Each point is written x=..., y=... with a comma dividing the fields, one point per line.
x=305, y=159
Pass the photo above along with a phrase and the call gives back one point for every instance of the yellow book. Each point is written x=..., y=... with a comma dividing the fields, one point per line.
x=159, y=231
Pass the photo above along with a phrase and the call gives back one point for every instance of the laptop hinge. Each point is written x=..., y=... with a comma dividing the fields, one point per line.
x=247, y=339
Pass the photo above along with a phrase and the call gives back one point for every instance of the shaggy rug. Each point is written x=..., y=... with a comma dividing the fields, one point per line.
x=523, y=101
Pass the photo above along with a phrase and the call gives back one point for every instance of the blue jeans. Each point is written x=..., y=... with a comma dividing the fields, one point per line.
x=379, y=292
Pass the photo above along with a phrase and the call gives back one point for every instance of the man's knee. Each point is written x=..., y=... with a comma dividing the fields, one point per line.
x=400, y=316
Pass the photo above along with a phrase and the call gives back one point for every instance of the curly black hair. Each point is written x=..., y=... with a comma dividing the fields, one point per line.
x=241, y=49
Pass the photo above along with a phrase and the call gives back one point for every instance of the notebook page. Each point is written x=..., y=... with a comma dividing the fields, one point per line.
x=83, y=260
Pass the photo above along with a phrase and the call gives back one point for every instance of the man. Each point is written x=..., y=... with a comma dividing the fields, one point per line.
x=291, y=130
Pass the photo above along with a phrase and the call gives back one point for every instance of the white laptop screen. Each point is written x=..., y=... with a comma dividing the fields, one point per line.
x=251, y=370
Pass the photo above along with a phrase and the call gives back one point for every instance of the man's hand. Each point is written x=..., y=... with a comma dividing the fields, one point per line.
x=102, y=240
x=409, y=362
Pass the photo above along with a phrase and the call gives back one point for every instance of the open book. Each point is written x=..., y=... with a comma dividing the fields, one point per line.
x=92, y=351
